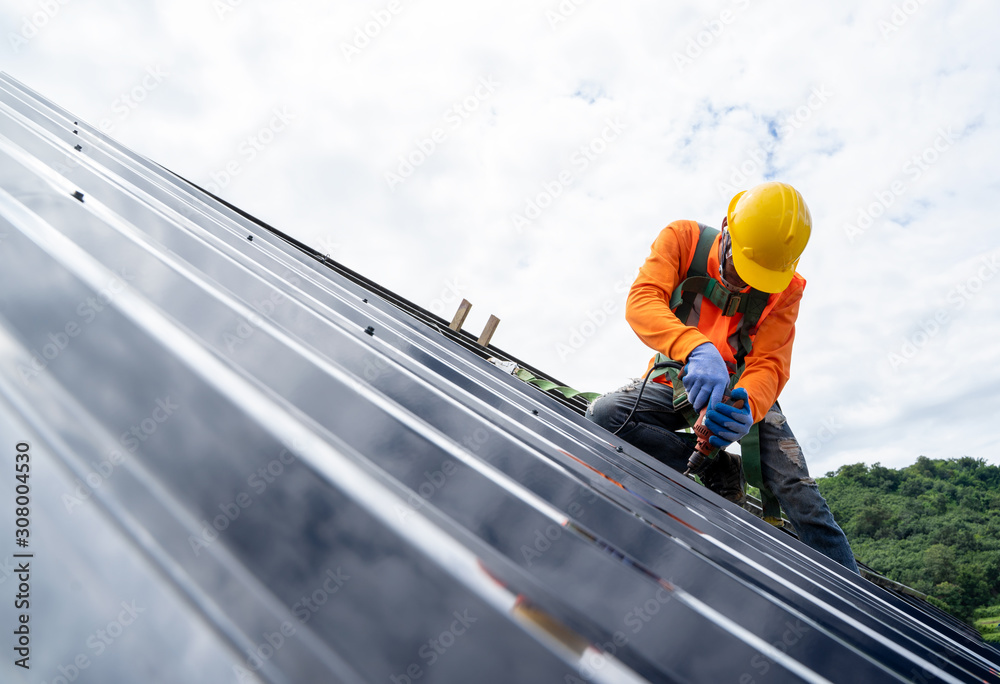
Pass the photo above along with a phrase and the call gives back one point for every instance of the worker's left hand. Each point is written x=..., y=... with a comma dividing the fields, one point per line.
x=727, y=423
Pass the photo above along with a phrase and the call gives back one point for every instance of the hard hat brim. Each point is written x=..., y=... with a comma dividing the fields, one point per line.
x=758, y=277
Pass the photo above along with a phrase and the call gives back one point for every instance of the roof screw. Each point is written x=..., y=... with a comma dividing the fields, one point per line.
x=534, y=412
x=78, y=148
x=370, y=330
x=619, y=450
x=365, y=301
x=250, y=238
x=76, y=132
x=78, y=195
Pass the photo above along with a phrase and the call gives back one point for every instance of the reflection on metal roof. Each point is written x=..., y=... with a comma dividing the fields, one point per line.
x=249, y=464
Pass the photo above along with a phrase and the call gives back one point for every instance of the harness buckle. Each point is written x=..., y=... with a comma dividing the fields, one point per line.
x=733, y=304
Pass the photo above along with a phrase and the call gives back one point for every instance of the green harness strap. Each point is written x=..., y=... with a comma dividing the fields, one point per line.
x=751, y=304
x=549, y=386
x=681, y=403
x=750, y=448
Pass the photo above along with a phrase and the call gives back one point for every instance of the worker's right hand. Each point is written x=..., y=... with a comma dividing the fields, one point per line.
x=727, y=423
x=705, y=376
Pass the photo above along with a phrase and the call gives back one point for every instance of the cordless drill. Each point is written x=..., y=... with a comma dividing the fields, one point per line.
x=703, y=450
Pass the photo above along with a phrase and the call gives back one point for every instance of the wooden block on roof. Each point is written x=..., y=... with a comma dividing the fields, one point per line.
x=459, y=319
x=491, y=327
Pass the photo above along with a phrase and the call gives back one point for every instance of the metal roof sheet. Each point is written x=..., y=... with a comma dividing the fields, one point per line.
x=250, y=463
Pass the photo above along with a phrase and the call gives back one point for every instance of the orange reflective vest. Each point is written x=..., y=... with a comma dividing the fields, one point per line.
x=648, y=311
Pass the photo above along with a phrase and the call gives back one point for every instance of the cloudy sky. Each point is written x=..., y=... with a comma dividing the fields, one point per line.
x=525, y=154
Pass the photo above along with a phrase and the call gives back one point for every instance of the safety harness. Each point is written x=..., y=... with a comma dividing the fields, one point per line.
x=685, y=304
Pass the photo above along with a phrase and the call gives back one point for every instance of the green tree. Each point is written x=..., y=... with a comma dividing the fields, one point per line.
x=933, y=525
x=939, y=561
x=874, y=520
x=948, y=595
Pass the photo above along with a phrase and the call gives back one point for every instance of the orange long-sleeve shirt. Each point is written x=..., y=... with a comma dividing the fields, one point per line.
x=647, y=310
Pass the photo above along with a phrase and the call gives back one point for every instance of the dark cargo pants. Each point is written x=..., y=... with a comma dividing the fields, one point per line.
x=783, y=467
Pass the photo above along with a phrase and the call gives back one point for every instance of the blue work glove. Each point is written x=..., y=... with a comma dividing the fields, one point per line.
x=729, y=424
x=705, y=376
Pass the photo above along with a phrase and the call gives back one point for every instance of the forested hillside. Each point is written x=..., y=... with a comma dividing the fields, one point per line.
x=934, y=526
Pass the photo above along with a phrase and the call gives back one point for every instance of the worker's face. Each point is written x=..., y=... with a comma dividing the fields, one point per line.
x=730, y=278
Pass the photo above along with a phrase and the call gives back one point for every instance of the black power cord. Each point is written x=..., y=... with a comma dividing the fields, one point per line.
x=656, y=366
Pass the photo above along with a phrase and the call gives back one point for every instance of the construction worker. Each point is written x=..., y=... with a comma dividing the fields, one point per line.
x=724, y=304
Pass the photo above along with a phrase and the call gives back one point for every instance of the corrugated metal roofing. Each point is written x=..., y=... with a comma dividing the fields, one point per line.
x=249, y=464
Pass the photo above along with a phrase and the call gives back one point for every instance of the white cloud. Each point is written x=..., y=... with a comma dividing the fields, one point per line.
x=748, y=98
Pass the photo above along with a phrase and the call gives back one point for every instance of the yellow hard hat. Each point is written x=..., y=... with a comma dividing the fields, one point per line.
x=769, y=225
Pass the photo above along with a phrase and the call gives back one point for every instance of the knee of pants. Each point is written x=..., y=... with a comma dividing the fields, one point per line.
x=603, y=412
x=801, y=499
